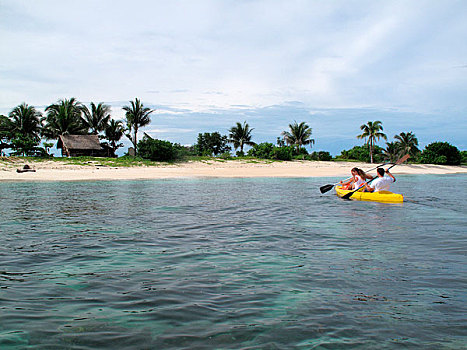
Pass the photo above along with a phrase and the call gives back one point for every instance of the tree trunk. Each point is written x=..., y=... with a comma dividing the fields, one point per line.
x=134, y=140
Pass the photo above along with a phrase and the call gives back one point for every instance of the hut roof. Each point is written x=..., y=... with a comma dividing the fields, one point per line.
x=82, y=142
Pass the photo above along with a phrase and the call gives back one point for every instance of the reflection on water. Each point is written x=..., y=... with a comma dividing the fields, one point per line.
x=231, y=263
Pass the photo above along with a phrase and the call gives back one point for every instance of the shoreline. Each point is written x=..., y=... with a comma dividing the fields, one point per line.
x=62, y=171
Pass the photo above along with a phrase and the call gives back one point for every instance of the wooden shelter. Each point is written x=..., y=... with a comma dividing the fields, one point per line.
x=80, y=145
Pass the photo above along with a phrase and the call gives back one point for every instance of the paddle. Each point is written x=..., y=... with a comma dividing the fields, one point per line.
x=400, y=161
x=329, y=187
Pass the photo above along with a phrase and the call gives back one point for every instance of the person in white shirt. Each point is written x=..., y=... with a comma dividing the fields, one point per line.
x=382, y=183
x=347, y=185
x=358, y=179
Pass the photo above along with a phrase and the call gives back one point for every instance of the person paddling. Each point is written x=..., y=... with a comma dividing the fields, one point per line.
x=382, y=183
x=346, y=185
x=363, y=176
x=357, y=179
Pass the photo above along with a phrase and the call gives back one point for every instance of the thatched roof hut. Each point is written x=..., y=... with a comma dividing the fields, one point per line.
x=80, y=145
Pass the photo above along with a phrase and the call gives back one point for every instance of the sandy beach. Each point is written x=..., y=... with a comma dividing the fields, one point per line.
x=61, y=171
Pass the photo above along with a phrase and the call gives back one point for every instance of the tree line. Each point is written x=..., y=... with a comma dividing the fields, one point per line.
x=404, y=143
x=24, y=128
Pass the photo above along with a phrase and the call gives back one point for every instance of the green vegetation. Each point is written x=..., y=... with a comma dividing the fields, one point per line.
x=22, y=131
x=263, y=150
x=298, y=136
x=464, y=157
x=321, y=155
x=24, y=128
x=64, y=118
x=362, y=154
x=158, y=150
x=124, y=161
x=136, y=116
x=267, y=150
x=372, y=131
x=97, y=118
x=209, y=144
x=391, y=152
x=240, y=135
x=407, y=143
x=441, y=153
x=114, y=131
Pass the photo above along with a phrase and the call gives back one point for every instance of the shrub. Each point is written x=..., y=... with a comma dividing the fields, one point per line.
x=321, y=155
x=26, y=145
x=157, y=150
x=211, y=143
x=441, y=153
x=282, y=153
x=262, y=150
x=267, y=150
x=463, y=157
x=225, y=155
x=183, y=151
x=362, y=154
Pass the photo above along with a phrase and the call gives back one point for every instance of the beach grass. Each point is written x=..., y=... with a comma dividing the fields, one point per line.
x=126, y=161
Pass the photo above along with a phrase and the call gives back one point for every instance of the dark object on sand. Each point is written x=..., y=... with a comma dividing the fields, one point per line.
x=25, y=169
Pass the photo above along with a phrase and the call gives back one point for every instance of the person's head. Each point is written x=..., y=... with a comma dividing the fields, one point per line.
x=361, y=173
x=354, y=171
x=380, y=171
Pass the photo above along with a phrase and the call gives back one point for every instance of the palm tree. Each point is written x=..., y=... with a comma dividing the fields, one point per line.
x=371, y=133
x=407, y=143
x=114, y=132
x=392, y=151
x=26, y=121
x=47, y=146
x=64, y=118
x=136, y=116
x=5, y=133
x=97, y=117
x=299, y=135
x=240, y=135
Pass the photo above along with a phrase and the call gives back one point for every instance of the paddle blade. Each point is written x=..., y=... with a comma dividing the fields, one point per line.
x=348, y=195
x=326, y=188
x=402, y=160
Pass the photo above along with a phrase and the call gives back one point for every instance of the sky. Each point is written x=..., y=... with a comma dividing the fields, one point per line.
x=205, y=65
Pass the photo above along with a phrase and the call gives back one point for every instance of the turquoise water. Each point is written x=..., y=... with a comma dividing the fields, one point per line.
x=232, y=264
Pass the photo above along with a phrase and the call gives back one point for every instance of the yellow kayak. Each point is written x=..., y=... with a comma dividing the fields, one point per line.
x=381, y=196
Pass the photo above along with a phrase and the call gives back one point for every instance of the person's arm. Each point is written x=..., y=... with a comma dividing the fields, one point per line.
x=368, y=187
x=346, y=182
x=391, y=176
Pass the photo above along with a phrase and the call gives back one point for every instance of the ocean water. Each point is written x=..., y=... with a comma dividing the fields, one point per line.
x=232, y=264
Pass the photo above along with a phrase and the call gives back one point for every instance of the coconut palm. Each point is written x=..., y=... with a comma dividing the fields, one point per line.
x=64, y=118
x=114, y=132
x=26, y=121
x=136, y=116
x=392, y=151
x=97, y=117
x=371, y=133
x=25, y=128
x=407, y=143
x=5, y=133
x=299, y=135
x=240, y=135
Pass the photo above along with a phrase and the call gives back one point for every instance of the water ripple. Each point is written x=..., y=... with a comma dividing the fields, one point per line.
x=231, y=263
